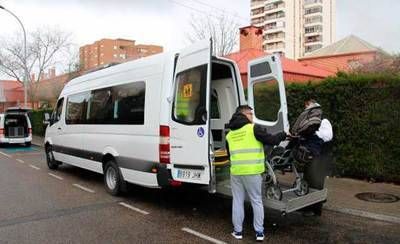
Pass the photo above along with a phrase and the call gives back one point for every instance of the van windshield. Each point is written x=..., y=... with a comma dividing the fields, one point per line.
x=190, y=96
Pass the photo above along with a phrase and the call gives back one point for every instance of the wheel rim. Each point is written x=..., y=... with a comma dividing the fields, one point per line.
x=111, y=178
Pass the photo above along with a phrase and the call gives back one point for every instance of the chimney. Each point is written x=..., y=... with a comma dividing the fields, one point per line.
x=52, y=73
x=251, y=37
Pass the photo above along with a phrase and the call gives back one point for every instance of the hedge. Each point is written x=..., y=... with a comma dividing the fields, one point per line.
x=37, y=117
x=365, y=113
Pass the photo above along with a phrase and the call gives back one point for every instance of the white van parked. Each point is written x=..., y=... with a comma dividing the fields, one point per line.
x=15, y=127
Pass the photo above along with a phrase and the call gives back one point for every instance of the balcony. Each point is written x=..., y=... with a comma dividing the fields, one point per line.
x=313, y=10
x=313, y=40
x=312, y=2
x=274, y=7
x=312, y=48
x=257, y=4
x=275, y=37
x=275, y=46
x=257, y=21
x=275, y=16
x=274, y=27
x=312, y=31
x=309, y=21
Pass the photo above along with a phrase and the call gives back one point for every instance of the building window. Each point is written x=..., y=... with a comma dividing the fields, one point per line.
x=115, y=55
x=115, y=47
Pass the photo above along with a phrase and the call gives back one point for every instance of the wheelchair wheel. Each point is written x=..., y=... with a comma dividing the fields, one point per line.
x=273, y=192
x=303, y=187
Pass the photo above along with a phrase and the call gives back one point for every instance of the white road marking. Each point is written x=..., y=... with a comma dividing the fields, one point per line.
x=134, y=208
x=83, y=188
x=21, y=161
x=56, y=176
x=202, y=236
x=5, y=154
x=34, y=167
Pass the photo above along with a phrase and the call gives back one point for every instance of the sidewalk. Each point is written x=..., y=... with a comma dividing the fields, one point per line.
x=341, y=197
x=37, y=140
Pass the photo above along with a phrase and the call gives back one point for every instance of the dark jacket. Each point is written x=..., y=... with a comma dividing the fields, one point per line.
x=239, y=120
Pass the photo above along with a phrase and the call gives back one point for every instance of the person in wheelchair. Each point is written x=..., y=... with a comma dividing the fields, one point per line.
x=313, y=131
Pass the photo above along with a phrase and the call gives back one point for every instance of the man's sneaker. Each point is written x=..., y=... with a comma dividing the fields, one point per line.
x=259, y=236
x=237, y=235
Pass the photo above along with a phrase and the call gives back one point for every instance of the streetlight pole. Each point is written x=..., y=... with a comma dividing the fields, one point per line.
x=25, y=78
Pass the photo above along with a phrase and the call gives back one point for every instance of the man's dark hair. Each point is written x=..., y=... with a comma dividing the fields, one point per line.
x=242, y=108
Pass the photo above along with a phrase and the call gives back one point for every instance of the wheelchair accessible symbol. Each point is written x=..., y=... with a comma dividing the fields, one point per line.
x=200, y=132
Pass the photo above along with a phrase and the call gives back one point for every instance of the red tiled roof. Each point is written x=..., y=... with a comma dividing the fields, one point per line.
x=288, y=65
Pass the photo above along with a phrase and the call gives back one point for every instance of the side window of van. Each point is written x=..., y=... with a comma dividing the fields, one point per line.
x=76, y=108
x=190, y=96
x=56, y=116
x=122, y=104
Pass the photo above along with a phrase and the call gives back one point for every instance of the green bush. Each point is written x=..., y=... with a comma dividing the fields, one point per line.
x=37, y=117
x=365, y=114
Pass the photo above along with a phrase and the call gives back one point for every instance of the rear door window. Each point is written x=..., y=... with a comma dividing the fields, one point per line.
x=190, y=96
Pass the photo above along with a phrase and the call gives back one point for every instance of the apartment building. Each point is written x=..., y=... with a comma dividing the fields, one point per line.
x=106, y=51
x=295, y=28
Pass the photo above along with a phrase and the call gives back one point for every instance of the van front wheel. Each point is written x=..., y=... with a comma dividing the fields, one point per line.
x=51, y=162
x=113, y=179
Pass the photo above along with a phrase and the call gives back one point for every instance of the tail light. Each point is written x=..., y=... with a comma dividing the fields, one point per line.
x=30, y=131
x=164, y=145
x=1, y=132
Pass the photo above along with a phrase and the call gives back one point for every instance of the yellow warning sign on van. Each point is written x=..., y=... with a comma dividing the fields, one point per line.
x=187, y=90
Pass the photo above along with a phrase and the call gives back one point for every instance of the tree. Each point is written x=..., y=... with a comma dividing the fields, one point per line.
x=382, y=63
x=46, y=48
x=220, y=27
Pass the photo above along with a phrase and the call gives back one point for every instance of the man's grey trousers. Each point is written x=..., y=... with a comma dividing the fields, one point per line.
x=251, y=184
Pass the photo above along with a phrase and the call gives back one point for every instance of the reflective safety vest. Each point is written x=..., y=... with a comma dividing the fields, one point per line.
x=182, y=107
x=246, y=152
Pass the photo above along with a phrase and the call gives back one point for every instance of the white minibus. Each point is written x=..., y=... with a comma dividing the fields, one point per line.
x=158, y=121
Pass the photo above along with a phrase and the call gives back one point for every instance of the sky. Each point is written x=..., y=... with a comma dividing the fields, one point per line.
x=164, y=22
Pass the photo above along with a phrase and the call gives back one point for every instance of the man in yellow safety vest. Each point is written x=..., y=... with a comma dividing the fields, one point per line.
x=245, y=143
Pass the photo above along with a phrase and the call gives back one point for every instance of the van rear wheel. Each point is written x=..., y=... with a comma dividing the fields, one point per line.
x=113, y=179
x=51, y=161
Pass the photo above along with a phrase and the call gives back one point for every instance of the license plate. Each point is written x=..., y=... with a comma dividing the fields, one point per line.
x=188, y=174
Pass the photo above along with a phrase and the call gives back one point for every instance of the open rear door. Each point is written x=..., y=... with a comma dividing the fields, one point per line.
x=266, y=93
x=189, y=121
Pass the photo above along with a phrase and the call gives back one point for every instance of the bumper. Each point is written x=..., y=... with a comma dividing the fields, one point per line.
x=15, y=140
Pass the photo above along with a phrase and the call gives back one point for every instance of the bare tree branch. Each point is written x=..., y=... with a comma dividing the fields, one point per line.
x=44, y=49
x=221, y=28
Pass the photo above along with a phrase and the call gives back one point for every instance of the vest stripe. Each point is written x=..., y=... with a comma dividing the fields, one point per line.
x=250, y=150
x=238, y=162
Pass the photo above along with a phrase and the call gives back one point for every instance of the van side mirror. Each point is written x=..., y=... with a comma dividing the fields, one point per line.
x=46, y=120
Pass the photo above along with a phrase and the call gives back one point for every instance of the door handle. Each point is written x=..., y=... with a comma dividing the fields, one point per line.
x=58, y=128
